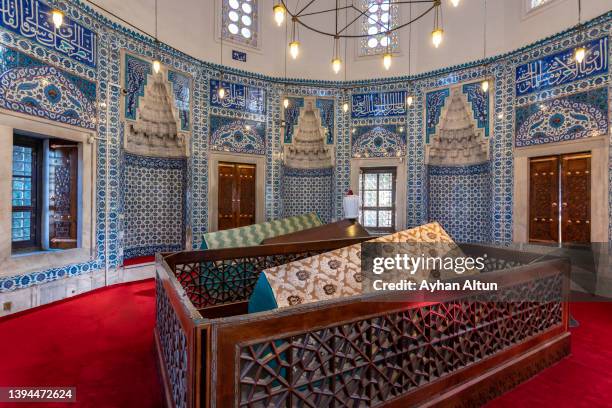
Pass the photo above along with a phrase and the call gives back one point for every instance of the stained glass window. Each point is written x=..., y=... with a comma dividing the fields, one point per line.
x=377, y=193
x=379, y=17
x=240, y=19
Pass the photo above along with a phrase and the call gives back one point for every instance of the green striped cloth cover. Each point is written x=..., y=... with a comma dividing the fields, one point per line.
x=253, y=234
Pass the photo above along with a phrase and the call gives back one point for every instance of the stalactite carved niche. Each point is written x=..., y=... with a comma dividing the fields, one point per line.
x=458, y=140
x=158, y=128
x=309, y=157
x=309, y=150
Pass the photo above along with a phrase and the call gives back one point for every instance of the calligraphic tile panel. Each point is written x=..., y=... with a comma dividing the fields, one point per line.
x=32, y=19
x=238, y=96
x=378, y=104
x=562, y=68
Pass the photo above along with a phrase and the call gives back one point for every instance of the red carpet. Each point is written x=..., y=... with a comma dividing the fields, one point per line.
x=102, y=344
x=581, y=380
x=138, y=260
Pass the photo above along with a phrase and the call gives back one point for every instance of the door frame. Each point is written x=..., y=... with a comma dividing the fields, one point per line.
x=214, y=159
x=598, y=147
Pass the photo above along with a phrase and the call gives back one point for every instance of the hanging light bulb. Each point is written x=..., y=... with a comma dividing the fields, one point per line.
x=485, y=85
x=345, y=107
x=156, y=66
x=387, y=60
x=409, y=100
x=286, y=103
x=279, y=14
x=336, y=61
x=455, y=3
x=437, y=33
x=336, y=65
x=221, y=92
x=294, y=49
x=58, y=18
x=580, y=54
x=436, y=37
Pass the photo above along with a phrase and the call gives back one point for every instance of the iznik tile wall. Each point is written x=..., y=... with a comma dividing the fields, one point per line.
x=237, y=135
x=306, y=190
x=460, y=200
x=378, y=141
x=154, y=210
x=570, y=117
x=31, y=86
x=91, y=72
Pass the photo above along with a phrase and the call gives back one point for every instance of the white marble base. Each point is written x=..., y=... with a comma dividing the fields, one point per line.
x=43, y=294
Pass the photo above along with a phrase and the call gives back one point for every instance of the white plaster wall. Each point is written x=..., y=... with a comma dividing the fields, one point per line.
x=189, y=25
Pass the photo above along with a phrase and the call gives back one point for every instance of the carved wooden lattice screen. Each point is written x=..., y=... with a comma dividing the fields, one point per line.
x=370, y=361
x=210, y=283
x=173, y=344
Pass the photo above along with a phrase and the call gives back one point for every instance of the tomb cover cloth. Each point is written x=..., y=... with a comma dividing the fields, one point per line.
x=252, y=235
x=337, y=273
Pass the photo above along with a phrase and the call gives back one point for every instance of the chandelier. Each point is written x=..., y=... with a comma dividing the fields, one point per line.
x=346, y=15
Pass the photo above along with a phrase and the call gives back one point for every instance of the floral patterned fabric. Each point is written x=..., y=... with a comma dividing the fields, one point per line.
x=338, y=274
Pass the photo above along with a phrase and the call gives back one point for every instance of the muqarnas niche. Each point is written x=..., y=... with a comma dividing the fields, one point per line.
x=308, y=149
x=459, y=174
x=157, y=128
x=458, y=140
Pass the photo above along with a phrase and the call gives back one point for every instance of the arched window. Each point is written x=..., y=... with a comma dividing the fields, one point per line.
x=380, y=16
x=240, y=21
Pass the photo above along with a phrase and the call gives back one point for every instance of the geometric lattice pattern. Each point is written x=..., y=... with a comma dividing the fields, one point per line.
x=307, y=190
x=154, y=205
x=217, y=282
x=460, y=200
x=370, y=361
x=173, y=345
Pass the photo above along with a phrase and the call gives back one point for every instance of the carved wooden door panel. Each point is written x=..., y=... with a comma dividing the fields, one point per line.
x=543, y=199
x=63, y=203
x=236, y=200
x=246, y=195
x=576, y=198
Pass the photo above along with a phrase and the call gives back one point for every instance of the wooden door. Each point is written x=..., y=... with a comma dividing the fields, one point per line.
x=544, y=199
x=236, y=200
x=63, y=167
x=576, y=198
